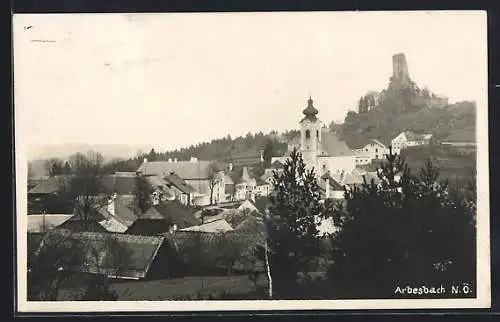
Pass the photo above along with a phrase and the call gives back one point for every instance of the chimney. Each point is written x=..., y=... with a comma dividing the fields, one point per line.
x=175, y=160
x=145, y=160
x=230, y=167
x=245, y=176
x=111, y=206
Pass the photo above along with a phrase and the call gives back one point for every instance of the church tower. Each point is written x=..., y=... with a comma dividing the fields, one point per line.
x=310, y=135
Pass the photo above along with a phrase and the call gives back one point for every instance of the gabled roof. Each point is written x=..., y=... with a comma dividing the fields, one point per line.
x=262, y=203
x=251, y=224
x=277, y=165
x=333, y=147
x=140, y=252
x=173, y=212
x=334, y=185
x=261, y=182
x=50, y=185
x=187, y=170
x=180, y=184
x=42, y=223
x=220, y=225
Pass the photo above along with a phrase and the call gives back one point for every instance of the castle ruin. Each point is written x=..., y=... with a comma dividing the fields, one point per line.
x=400, y=69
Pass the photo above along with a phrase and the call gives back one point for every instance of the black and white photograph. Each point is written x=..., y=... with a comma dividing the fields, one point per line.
x=224, y=161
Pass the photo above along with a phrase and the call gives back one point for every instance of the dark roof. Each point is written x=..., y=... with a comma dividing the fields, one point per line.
x=140, y=252
x=174, y=212
x=334, y=185
x=277, y=165
x=262, y=203
x=180, y=184
x=124, y=185
x=261, y=182
x=50, y=185
x=184, y=169
x=310, y=111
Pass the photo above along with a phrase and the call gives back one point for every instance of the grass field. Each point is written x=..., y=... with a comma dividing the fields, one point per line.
x=171, y=289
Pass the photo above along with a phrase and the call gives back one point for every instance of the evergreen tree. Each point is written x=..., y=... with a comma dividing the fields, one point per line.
x=268, y=153
x=295, y=207
x=406, y=230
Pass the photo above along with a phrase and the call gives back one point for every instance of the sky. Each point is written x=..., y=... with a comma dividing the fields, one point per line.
x=176, y=79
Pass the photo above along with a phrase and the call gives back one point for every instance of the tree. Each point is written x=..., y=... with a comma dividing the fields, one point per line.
x=152, y=156
x=86, y=185
x=229, y=250
x=54, y=167
x=295, y=205
x=142, y=192
x=268, y=153
x=213, y=180
x=404, y=230
x=67, y=168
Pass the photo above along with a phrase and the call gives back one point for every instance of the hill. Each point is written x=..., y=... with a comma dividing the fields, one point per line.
x=403, y=105
x=400, y=109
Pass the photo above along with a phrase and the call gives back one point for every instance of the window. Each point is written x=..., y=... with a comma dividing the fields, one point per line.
x=366, y=150
x=376, y=150
x=308, y=134
x=376, y=156
x=324, y=167
x=317, y=134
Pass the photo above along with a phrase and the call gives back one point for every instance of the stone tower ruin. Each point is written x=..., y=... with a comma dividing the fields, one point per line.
x=400, y=69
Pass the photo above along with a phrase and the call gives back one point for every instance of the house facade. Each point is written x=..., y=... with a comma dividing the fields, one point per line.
x=408, y=139
x=374, y=150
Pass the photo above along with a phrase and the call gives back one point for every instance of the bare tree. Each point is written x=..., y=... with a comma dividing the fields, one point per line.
x=54, y=167
x=86, y=185
x=213, y=180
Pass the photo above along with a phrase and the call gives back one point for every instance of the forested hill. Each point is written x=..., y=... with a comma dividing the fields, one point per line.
x=243, y=149
x=398, y=108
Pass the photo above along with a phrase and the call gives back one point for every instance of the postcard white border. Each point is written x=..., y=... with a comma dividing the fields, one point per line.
x=483, y=299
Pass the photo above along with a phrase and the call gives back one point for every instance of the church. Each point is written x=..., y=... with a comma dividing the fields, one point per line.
x=321, y=149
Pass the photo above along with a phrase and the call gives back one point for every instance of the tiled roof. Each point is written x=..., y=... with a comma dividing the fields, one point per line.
x=174, y=212
x=140, y=250
x=41, y=223
x=333, y=147
x=219, y=225
x=184, y=169
x=50, y=185
x=180, y=184
x=262, y=203
x=334, y=185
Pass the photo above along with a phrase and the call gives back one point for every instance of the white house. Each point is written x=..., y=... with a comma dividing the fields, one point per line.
x=408, y=139
x=374, y=150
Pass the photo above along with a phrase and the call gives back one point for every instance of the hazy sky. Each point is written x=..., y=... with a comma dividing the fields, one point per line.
x=172, y=80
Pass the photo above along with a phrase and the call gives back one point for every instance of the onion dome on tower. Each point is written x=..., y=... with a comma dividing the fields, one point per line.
x=310, y=111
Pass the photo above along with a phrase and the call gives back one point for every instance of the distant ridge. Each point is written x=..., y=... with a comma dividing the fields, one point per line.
x=109, y=151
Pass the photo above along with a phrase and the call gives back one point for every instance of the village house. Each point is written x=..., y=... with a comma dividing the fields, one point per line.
x=196, y=173
x=374, y=150
x=162, y=216
x=408, y=139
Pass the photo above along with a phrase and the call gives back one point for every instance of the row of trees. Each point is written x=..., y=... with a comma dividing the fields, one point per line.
x=408, y=230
